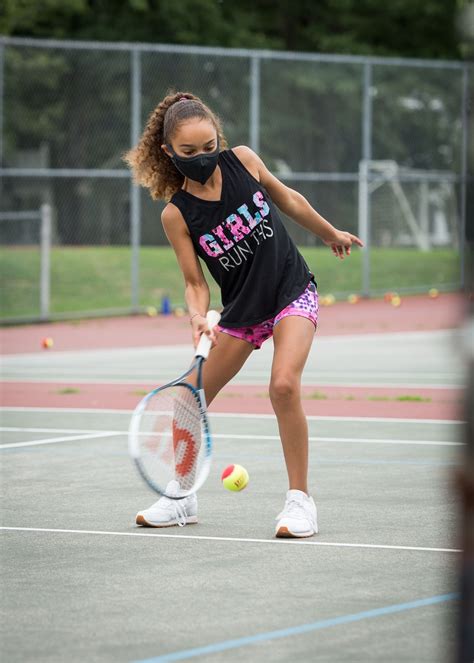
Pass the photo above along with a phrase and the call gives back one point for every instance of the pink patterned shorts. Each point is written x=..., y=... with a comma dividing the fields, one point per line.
x=306, y=306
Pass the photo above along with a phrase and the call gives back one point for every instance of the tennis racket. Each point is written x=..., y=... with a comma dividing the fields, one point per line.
x=169, y=437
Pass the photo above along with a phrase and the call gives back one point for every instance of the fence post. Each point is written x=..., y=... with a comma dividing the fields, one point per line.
x=45, y=268
x=2, y=93
x=364, y=195
x=363, y=224
x=2, y=84
x=135, y=209
x=463, y=188
x=254, y=109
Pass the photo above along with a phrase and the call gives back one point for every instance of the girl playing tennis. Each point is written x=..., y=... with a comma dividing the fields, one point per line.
x=222, y=207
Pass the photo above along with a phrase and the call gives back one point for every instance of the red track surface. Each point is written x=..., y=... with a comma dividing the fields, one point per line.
x=328, y=401
x=417, y=313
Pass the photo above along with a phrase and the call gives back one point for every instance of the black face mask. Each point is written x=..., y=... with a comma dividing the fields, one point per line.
x=198, y=168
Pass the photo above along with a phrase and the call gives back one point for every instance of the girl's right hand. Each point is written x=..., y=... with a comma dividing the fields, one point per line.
x=199, y=326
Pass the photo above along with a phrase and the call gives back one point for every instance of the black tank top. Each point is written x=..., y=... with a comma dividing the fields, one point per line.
x=245, y=245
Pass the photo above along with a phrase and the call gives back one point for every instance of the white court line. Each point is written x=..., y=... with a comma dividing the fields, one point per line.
x=185, y=347
x=356, y=440
x=83, y=373
x=55, y=440
x=91, y=434
x=399, y=335
x=293, y=542
x=235, y=415
x=73, y=431
x=125, y=381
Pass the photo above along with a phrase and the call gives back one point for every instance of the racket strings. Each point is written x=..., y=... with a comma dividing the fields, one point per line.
x=171, y=431
x=186, y=438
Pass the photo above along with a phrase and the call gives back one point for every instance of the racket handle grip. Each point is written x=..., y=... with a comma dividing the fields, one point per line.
x=205, y=342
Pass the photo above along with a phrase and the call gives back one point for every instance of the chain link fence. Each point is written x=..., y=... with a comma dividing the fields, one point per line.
x=377, y=145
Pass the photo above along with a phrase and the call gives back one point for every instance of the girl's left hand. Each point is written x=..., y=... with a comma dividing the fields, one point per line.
x=343, y=242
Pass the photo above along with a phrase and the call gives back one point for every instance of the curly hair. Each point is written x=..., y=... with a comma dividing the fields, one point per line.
x=151, y=166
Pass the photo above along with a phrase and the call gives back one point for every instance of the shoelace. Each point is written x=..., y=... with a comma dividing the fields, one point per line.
x=180, y=512
x=178, y=507
x=296, y=509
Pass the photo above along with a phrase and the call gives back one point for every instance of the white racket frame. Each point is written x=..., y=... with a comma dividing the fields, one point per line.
x=200, y=356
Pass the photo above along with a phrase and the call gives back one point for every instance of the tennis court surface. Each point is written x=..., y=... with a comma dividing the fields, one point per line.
x=379, y=582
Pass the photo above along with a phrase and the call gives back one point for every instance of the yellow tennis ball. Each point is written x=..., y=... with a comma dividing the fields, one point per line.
x=433, y=293
x=151, y=311
x=235, y=477
x=396, y=301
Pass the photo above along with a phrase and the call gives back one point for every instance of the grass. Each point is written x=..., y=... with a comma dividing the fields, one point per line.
x=403, y=398
x=89, y=278
x=413, y=399
x=321, y=396
x=317, y=396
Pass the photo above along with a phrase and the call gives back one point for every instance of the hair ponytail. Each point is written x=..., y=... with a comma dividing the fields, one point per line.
x=151, y=166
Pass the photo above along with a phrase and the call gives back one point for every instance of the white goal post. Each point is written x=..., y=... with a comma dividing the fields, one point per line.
x=424, y=227
x=43, y=216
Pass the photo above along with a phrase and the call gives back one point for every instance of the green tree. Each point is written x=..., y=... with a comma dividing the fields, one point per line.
x=411, y=28
x=77, y=103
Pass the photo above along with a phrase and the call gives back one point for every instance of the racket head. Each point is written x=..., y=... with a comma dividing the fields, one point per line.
x=169, y=439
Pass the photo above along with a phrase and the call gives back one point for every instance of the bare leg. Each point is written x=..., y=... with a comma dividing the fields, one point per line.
x=224, y=362
x=292, y=339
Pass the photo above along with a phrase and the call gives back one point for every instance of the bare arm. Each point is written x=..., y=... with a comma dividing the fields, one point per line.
x=196, y=291
x=296, y=206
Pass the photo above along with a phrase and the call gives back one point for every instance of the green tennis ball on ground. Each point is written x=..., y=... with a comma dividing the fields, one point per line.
x=235, y=477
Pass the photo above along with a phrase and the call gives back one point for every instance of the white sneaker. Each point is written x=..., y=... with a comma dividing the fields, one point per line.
x=167, y=512
x=299, y=517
